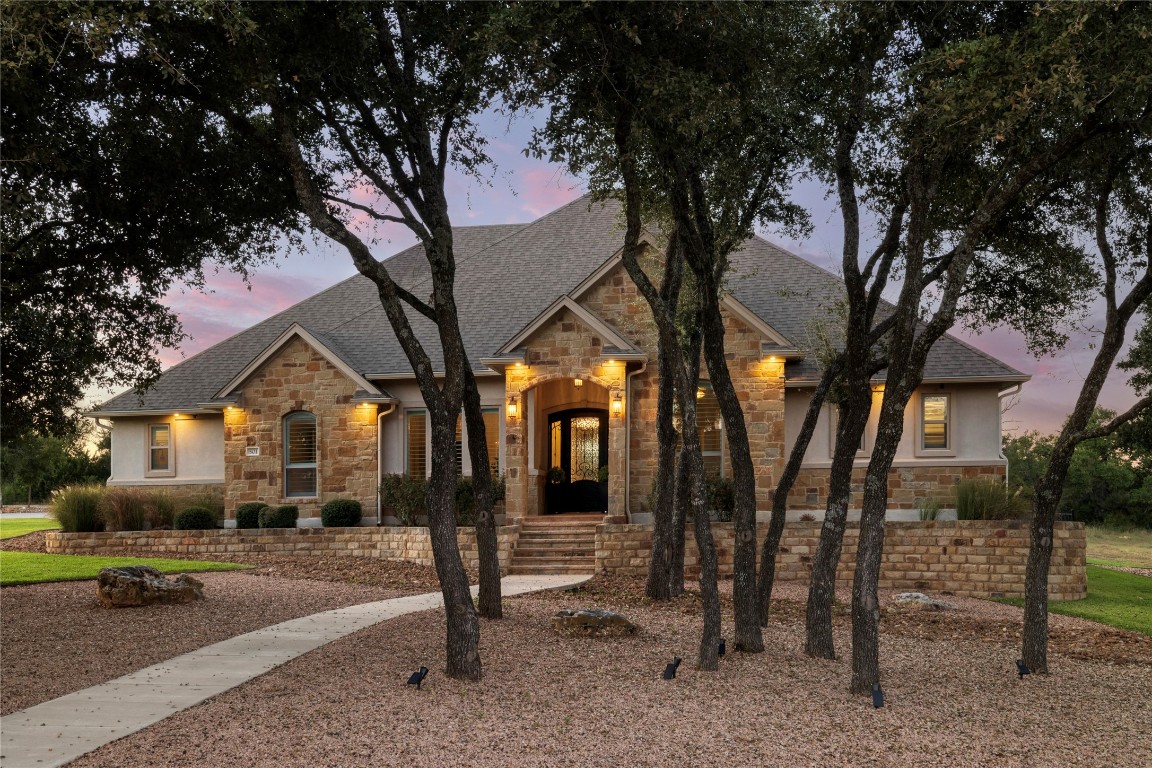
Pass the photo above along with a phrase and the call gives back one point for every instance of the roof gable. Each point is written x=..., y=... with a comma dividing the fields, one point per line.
x=610, y=336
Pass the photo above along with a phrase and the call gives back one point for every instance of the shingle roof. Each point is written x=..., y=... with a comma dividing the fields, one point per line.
x=506, y=276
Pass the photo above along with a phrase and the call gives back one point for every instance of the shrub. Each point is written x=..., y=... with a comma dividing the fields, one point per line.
x=248, y=515
x=929, y=509
x=213, y=501
x=341, y=513
x=807, y=517
x=721, y=498
x=77, y=508
x=404, y=497
x=123, y=509
x=465, y=502
x=984, y=499
x=283, y=516
x=195, y=519
x=602, y=475
x=159, y=509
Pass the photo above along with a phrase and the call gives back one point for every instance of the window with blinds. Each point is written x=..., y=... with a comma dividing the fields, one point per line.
x=710, y=428
x=300, y=454
x=417, y=458
x=492, y=438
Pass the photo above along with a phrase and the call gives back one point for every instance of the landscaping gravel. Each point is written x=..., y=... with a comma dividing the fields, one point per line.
x=953, y=696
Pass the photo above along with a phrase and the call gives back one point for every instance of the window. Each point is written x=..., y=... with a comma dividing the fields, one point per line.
x=417, y=459
x=492, y=438
x=299, y=454
x=934, y=427
x=710, y=428
x=458, y=446
x=160, y=449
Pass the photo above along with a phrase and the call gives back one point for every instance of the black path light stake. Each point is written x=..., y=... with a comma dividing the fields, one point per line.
x=670, y=670
x=877, y=695
x=721, y=648
x=418, y=677
x=1022, y=668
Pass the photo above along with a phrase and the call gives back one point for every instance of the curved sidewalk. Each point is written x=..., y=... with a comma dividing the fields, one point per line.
x=61, y=730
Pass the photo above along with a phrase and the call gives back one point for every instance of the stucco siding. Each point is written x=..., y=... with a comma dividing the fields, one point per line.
x=197, y=450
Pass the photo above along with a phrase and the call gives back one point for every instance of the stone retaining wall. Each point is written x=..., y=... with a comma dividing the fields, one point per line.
x=390, y=543
x=969, y=557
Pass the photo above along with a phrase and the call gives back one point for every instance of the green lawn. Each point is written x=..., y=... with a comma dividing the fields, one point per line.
x=1115, y=598
x=10, y=528
x=32, y=567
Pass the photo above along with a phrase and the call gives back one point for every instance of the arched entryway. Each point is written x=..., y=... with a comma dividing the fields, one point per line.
x=577, y=477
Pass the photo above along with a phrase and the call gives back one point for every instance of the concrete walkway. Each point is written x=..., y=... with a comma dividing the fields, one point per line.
x=59, y=731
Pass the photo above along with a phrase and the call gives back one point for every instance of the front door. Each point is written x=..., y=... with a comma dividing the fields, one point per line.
x=578, y=448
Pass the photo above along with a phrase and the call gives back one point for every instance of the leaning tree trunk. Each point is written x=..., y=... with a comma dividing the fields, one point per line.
x=709, y=594
x=487, y=550
x=464, y=628
x=870, y=546
x=818, y=640
x=788, y=477
x=747, y=635
x=1044, y=504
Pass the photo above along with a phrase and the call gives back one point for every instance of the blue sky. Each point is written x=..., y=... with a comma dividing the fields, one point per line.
x=520, y=189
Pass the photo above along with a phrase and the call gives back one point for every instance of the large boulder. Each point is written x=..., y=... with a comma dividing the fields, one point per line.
x=592, y=623
x=137, y=585
x=922, y=601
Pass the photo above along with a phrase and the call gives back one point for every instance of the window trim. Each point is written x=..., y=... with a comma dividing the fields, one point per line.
x=170, y=470
x=313, y=465
x=865, y=449
x=949, y=425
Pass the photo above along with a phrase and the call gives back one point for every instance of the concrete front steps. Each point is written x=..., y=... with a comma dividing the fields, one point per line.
x=556, y=544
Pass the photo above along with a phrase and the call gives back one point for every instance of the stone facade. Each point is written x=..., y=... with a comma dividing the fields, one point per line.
x=907, y=486
x=298, y=378
x=411, y=544
x=565, y=348
x=974, y=558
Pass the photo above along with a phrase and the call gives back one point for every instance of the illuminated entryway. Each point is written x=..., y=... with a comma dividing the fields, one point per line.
x=577, y=478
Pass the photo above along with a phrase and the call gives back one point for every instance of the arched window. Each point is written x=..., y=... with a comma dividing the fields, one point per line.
x=300, y=454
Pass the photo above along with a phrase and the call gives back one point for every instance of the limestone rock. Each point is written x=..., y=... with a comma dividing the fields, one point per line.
x=923, y=601
x=137, y=585
x=592, y=623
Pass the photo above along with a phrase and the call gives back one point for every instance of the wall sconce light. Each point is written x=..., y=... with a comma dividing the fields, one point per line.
x=700, y=393
x=617, y=403
x=513, y=407
x=577, y=383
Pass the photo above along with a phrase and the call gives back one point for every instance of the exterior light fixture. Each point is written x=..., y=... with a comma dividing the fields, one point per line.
x=513, y=407
x=617, y=404
x=700, y=393
x=577, y=383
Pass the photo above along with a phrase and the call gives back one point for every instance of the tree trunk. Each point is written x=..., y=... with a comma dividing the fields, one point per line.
x=822, y=590
x=664, y=580
x=771, y=545
x=691, y=458
x=463, y=640
x=487, y=550
x=747, y=635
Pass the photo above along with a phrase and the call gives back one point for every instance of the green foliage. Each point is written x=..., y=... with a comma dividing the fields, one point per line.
x=556, y=475
x=34, y=465
x=77, y=508
x=194, y=519
x=123, y=509
x=211, y=500
x=159, y=508
x=12, y=527
x=248, y=515
x=602, y=475
x=35, y=568
x=404, y=497
x=283, y=516
x=1109, y=479
x=1117, y=599
x=985, y=499
x=928, y=509
x=340, y=513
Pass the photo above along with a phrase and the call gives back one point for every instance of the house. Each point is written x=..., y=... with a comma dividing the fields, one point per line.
x=318, y=402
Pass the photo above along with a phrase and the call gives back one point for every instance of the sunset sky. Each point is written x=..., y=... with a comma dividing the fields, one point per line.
x=520, y=190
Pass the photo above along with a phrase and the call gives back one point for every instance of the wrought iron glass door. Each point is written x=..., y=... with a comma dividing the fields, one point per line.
x=578, y=446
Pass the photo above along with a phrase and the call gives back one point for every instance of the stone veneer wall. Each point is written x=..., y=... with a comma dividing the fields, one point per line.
x=971, y=557
x=298, y=378
x=390, y=543
x=906, y=485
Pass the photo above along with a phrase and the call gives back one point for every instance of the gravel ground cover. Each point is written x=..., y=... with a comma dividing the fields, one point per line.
x=953, y=698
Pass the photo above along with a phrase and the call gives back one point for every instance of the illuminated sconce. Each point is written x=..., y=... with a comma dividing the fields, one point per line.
x=617, y=403
x=577, y=383
x=513, y=407
x=700, y=393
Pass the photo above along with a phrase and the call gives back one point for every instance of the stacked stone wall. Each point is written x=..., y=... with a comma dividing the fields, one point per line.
x=907, y=486
x=970, y=557
x=411, y=544
x=298, y=378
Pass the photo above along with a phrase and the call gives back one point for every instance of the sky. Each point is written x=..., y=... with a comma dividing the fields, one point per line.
x=520, y=189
